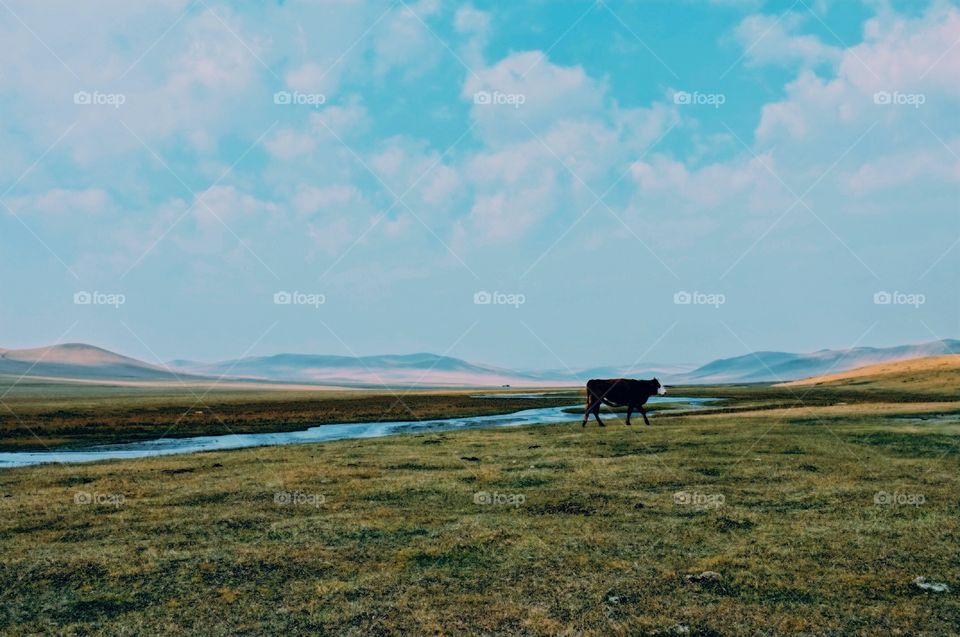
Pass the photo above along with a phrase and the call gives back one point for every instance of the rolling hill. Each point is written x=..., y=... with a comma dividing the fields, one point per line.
x=921, y=375
x=785, y=366
x=405, y=369
x=78, y=361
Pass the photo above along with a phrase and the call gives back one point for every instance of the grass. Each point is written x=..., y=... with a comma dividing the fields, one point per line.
x=929, y=375
x=41, y=415
x=37, y=415
x=590, y=531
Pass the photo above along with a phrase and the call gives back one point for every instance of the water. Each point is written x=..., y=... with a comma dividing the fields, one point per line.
x=169, y=446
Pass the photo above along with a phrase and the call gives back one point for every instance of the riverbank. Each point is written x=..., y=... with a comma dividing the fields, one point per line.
x=71, y=417
x=322, y=433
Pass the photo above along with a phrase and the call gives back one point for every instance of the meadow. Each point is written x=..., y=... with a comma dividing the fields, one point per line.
x=39, y=415
x=759, y=518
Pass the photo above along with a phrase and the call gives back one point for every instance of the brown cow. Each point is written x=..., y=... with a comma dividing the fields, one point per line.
x=620, y=392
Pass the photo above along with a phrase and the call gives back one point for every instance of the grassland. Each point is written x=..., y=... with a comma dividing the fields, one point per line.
x=37, y=416
x=933, y=374
x=590, y=531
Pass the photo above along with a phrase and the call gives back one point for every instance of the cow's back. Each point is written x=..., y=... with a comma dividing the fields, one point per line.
x=622, y=391
x=616, y=390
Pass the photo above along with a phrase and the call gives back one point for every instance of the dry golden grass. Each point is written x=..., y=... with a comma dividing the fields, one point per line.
x=388, y=536
x=915, y=374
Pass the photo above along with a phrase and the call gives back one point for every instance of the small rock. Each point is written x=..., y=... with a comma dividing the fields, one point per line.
x=923, y=584
x=613, y=599
x=705, y=576
x=678, y=629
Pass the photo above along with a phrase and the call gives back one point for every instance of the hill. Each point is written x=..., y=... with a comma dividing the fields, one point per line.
x=78, y=361
x=405, y=369
x=785, y=366
x=929, y=374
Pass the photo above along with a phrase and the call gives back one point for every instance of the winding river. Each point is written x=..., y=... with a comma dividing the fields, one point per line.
x=322, y=433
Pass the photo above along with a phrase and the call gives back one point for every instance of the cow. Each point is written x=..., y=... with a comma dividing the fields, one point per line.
x=620, y=392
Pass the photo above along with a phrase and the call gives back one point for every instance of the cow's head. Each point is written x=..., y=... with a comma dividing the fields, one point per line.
x=661, y=390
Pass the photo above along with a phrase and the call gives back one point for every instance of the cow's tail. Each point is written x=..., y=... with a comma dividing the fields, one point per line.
x=592, y=395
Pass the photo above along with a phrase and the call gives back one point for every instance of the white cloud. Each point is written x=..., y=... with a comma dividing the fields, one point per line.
x=344, y=119
x=404, y=40
x=310, y=200
x=548, y=159
x=915, y=167
x=898, y=56
x=331, y=237
x=226, y=220
x=335, y=215
x=514, y=188
x=417, y=173
x=289, y=144
x=769, y=39
x=226, y=203
x=474, y=25
x=314, y=77
x=548, y=93
x=827, y=135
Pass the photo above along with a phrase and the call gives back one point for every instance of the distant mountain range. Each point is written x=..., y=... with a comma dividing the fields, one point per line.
x=782, y=366
x=80, y=362
x=406, y=369
x=403, y=369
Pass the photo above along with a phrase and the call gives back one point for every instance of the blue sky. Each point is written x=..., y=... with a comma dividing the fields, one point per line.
x=779, y=165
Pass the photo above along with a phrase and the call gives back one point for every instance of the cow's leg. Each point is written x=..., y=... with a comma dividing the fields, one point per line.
x=596, y=413
x=644, y=412
x=586, y=412
x=629, y=413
